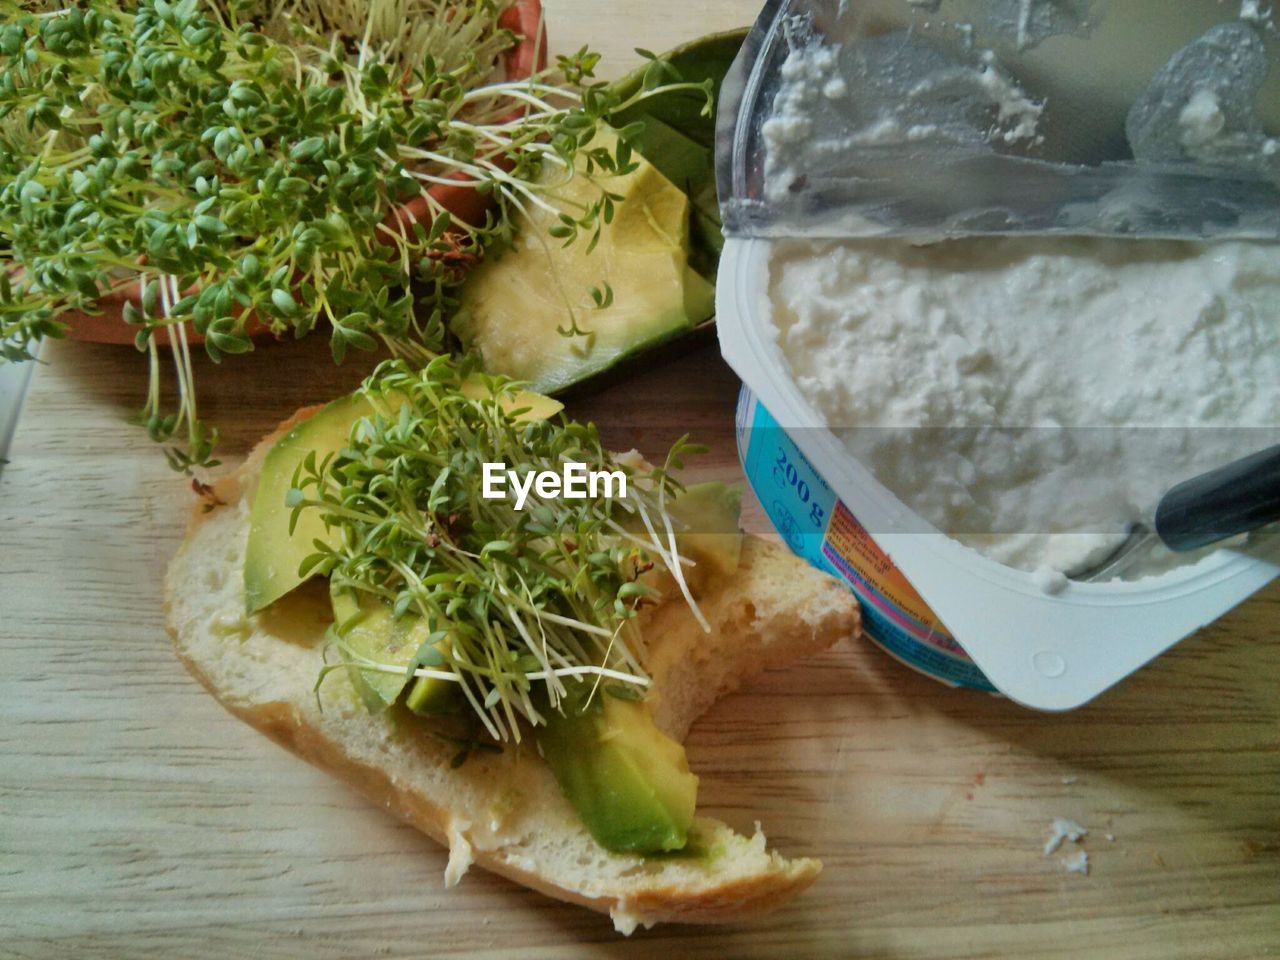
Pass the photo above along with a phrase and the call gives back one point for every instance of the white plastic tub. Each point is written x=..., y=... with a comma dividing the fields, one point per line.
x=933, y=603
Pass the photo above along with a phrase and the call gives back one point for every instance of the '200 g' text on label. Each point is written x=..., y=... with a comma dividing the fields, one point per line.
x=574, y=482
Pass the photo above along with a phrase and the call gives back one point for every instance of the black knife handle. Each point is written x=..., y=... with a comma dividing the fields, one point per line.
x=1241, y=496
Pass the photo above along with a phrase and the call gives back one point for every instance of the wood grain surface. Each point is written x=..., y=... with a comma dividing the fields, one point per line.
x=137, y=819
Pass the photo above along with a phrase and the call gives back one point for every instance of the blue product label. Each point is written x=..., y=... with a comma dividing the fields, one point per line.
x=820, y=528
x=797, y=500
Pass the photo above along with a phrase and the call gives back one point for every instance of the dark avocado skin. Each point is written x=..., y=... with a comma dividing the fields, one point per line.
x=707, y=57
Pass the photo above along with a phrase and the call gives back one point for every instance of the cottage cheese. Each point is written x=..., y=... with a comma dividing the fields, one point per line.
x=1066, y=383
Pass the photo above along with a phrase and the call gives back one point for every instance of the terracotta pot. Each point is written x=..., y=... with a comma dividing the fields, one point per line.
x=464, y=203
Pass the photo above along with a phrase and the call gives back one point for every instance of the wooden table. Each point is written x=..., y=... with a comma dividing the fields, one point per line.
x=137, y=819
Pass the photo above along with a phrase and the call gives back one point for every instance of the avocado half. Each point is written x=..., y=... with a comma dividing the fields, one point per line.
x=656, y=261
x=551, y=313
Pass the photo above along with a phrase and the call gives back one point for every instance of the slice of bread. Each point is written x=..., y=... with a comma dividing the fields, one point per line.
x=504, y=811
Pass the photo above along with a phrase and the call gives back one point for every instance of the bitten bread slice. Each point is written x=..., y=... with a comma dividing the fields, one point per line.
x=505, y=811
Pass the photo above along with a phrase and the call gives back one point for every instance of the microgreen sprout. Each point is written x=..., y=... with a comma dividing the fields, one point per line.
x=516, y=601
x=236, y=165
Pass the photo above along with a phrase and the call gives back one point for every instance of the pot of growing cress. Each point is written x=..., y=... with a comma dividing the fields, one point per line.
x=526, y=54
x=242, y=166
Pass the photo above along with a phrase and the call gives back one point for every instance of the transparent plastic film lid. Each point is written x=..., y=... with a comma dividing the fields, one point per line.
x=936, y=118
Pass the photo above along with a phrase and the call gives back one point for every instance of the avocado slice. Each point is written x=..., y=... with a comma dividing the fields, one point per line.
x=273, y=555
x=369, y=628
x=629, y=782
x=514, y=305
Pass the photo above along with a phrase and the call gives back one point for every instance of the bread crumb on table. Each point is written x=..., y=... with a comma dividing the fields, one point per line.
x=1063, y=829
x=1078, y=862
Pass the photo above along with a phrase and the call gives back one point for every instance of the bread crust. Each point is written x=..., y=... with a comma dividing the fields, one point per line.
x=736, y=898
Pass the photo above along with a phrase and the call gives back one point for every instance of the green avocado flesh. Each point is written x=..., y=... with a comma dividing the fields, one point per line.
x=677, y=157
x=368, y=628
x=629, y=782
x=274, y=555
x=514, y=304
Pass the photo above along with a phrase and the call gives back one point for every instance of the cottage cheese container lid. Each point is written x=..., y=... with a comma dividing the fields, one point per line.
x=1152, y=118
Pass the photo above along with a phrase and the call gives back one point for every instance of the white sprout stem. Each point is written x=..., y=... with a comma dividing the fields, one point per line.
x=492, y=131
x=608, y=650
x=190, y=375
x=153, y=369
x=538, y=651
x=653, y=544
x=491, y=723
x=498, y=681
x=481, y=170
x=576, y=624
x=676, y=573
x=436, y=178
x=542, y=630
x=400, y=237
x=548, y=153
x=554, y=617
x=434, y=208
x=514, y=197
x=153, y=375
x=175, y=347
x=412, y=153
x=590, y=670
x=485, y=133
x=523, y=90
x=447, y=161
x=505, y=179
x=530, y=711
x=364, y=43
